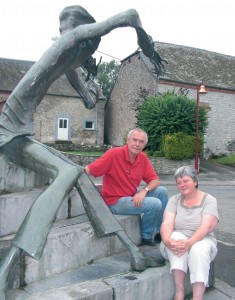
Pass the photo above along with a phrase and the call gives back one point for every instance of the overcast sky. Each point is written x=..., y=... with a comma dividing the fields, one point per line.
x=28, y=26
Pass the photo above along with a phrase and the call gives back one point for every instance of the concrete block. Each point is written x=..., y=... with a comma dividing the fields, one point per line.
x=14, y=178
x=72, y=246
x=85, y=291
x=14, y=207
x=2, y=172
x=71, y=206
x=152, y=284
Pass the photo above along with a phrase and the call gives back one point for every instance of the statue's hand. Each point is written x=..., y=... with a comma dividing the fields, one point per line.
x=146, y=43
x=91, y=67
x=157, y=61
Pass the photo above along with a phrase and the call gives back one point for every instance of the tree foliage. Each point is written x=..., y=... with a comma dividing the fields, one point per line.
x=107, y=75
x=169, y=113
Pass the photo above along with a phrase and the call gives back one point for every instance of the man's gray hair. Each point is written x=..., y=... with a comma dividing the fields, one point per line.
x=138, y=130
x=186, y=171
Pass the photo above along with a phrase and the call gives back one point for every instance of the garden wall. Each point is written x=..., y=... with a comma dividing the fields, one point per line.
x=160, y=164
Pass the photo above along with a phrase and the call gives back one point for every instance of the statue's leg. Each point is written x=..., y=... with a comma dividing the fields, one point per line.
x=25, y=152
x=6, y=265
x=32, y=234
x=139, y=261
x=105, y=223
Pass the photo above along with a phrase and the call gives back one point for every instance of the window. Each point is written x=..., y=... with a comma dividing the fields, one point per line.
x=89, y=125
x=63, y=123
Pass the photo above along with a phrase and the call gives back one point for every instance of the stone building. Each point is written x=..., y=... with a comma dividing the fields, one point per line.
x=61, y=116
x=187, y=67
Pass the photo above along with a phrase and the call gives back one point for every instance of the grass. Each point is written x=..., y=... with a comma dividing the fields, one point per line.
x=225, y=160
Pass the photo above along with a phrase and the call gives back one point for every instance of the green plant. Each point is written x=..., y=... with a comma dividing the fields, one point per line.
x=107, y=75
x=225, y=160
x=180, y=146
x=169, y=113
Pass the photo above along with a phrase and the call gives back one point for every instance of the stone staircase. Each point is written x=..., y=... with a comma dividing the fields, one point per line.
x=76, y=264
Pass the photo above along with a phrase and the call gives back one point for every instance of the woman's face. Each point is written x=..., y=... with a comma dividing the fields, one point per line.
x=186, y=185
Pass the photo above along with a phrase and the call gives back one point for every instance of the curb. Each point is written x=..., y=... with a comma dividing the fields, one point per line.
x=224, y=288
x=202, y=183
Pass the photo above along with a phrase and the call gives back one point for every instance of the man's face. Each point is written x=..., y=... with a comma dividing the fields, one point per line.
x=136, y=142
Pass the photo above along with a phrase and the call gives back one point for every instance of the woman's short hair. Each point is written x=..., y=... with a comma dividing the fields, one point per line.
x=186, y=171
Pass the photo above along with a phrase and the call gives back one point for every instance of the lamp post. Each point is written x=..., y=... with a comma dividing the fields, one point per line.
x=200, y=90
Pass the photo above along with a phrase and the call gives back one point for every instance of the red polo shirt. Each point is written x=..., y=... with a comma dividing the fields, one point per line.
x=121, y=177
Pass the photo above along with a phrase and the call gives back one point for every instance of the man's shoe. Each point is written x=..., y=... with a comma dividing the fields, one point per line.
x=158, y=238
x=148, y=242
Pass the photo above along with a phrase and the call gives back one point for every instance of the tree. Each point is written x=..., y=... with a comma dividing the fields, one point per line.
x=169, y=113
x=107, y=75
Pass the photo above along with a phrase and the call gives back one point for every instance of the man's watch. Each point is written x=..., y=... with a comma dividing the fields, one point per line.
x=146, y=189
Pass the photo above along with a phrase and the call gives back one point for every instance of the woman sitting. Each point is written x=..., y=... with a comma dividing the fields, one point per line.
x=188, y=239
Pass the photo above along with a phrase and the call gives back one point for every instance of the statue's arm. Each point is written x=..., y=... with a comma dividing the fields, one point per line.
x=78, y=82
x=147, y=45
x=128, y=18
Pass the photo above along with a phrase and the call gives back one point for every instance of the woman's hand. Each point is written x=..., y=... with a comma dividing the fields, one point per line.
x=179, y=247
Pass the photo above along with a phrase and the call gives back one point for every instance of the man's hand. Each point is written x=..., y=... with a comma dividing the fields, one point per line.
x=139, y=198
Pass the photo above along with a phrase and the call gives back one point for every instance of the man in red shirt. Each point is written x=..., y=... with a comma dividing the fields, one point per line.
x=123, y=169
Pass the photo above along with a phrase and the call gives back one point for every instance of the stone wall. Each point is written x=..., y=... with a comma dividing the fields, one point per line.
x=219, y=138
x=14, y=178
x=168, y=166
x=81, y=160
x=134, y=83
x=160, y=164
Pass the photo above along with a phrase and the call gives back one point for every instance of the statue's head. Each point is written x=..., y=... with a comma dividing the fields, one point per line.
x=73, y=16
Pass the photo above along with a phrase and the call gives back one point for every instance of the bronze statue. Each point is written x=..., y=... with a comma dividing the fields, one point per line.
x=80, y=37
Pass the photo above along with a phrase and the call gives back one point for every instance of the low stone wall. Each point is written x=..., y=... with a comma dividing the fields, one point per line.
x=160, y=164
x=82, y=160
x=14, y=178
x=168, y=166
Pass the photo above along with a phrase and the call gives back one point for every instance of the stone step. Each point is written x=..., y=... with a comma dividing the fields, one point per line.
x=70, y=244
x=104, y=279
x=14, y=178
x=17, y=204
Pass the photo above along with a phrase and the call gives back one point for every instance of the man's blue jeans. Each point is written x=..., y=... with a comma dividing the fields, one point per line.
x=152, y=210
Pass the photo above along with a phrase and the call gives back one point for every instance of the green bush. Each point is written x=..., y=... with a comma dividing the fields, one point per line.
x=180, y=146
x=168, y=114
